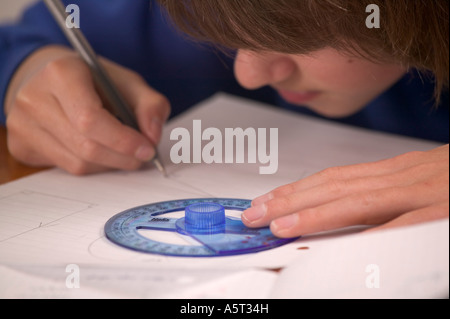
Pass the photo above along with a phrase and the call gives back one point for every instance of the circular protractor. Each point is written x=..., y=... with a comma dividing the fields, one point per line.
x=125, y=229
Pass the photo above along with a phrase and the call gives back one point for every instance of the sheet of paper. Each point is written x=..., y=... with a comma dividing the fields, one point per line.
x=53, y=219
x=411, y=262
x=52, y=281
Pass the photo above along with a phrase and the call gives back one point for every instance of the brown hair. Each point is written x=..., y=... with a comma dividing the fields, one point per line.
x=414, y=33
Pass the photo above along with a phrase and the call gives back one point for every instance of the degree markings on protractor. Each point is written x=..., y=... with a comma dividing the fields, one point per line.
x=123, y=229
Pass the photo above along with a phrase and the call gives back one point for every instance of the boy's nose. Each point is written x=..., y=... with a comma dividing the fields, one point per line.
x=255, y=70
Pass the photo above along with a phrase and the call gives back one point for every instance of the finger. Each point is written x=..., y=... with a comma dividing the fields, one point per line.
x=340, y=173
x=36, y=147
x=61, y=157
x=85, y=149
x=368, y=208
x=84, y=110
x=286, y=203
x=41, y=107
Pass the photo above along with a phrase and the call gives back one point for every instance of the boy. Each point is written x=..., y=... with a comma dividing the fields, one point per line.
x=316, y=54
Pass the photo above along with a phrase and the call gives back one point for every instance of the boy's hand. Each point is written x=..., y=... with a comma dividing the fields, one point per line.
x=55, y=116
x=407, y=189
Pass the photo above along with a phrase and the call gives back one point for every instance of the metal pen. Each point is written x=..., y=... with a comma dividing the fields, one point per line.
x=117, y=105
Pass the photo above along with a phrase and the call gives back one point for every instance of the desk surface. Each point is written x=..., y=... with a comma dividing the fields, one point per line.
x=10, y=169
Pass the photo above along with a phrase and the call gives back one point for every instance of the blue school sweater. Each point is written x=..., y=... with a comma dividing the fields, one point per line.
x=138, y=35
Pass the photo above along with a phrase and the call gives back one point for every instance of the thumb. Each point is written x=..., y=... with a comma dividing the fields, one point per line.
x=151, y=108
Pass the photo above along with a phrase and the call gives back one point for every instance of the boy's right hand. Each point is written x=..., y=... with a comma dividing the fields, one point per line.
x=55, y=116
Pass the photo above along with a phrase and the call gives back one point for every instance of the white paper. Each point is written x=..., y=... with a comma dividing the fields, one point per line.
x=410, y=262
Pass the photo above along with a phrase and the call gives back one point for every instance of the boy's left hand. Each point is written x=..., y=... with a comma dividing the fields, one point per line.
x=407, y=189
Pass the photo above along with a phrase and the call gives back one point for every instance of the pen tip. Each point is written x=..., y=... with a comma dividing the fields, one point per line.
x=160, y=166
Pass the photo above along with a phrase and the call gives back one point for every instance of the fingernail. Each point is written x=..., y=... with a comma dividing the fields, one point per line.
x=262, y=199
x=255, y=213
x=284, y=223
x=145, y=153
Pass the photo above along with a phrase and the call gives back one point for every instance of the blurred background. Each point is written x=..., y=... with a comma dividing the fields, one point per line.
x=11, y=9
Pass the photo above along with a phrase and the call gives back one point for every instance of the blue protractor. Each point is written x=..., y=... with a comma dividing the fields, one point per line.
x=205, y=225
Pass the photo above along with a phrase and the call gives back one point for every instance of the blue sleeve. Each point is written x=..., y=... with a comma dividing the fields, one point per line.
x=17, y=41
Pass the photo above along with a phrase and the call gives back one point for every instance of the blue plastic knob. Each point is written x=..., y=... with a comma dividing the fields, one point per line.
x=204, y=218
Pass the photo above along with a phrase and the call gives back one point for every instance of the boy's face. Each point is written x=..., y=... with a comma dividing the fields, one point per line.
x=328, y=82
